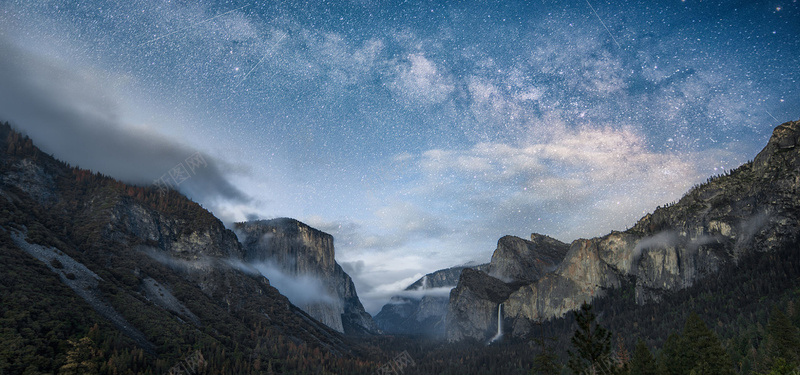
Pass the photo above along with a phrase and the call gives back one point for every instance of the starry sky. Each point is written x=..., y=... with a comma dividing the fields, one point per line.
x=416, y=132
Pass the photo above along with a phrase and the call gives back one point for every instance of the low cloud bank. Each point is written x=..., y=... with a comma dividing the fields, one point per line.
x=301, y=290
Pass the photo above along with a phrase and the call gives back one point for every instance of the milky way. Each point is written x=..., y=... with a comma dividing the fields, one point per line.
x=417, y=133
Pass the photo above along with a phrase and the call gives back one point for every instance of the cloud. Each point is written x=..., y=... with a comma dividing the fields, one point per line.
x=752, y=225
x=657, y=241
x=73, y=113
x=183, y=265
x=588, y=180
x=418, y=79
x=396, y=223
x=491, y=105
x=301, y=290
x=354, y=268
x=386, y=256
x=381, y=293
x=348, y=65
x=439, y=292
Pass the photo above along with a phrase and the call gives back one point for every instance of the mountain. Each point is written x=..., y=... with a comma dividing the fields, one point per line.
x=473, y=303
x=422, y=308
x=517, y=259
x=135, y=280
x=753, y=208
x=293, y=250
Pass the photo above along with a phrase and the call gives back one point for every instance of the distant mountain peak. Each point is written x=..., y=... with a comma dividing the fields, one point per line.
x=292, y=251
x=168, y=276
x=754, y=207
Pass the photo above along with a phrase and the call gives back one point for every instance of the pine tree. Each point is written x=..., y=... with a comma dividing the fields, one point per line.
x=783, y=339
x=704, y=350
x=81, y=359
x=623, y=359
x=546, y=361
x=643, y=362
x=780, y=367
x=673, y=359
x=592, y=343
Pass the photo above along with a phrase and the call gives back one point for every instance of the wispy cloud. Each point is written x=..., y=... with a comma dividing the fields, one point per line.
x=419, y=80
x=416, y=141
x=71, y=112
x=301, y=290
x=584, y=181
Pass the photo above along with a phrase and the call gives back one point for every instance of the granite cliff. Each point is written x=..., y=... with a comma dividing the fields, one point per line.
x=297, y=250
x=517, y=259
x=752, y=208
x=516, y=262
x=154, y=273
x=421, y=309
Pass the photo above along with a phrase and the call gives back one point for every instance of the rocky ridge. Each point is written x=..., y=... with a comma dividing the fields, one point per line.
x=752, y=208
x=159, y=268
x=516, y=262
x=422, y=308
x=299, y=250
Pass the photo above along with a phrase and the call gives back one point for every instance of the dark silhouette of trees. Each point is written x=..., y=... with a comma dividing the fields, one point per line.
x=592, y=344
x=546, y=361
x=643, y=362
x=697, y=351
x=782, y=348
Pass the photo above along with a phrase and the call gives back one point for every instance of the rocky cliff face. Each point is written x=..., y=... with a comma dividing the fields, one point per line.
x=752, y=208
x=422, y=308
x=515, y=262
x=517, y=259
x=446, y=278
x=298, y=251
x=159, y=268
x=473, y=305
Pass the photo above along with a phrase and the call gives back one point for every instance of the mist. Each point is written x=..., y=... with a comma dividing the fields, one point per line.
x=443, y=291
x=301, y=290
x=77, y=117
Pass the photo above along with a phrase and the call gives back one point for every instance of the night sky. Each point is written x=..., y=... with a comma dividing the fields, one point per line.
x=416, y=132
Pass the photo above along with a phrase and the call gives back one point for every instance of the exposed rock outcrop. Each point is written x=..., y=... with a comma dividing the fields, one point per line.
x=752, y=208
x=149, y=261
x=517, y=259
x=515, y=262
x=473, y=305
x=421, y=309
x=298, y=250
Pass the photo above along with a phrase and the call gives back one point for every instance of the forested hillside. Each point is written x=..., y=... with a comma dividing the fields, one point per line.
x=132, y=237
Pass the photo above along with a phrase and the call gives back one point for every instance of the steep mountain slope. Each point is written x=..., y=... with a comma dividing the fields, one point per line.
x=147, y=276
x=473, y=304
x=517, y=259
x=422, y=308
x=299, y=251
x=753, y=208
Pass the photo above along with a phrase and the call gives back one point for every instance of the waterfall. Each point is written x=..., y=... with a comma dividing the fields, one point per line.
x=499, y=325
x=425, y=282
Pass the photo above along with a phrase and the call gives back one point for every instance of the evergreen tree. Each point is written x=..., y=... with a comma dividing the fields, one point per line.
x=643, y=362
x=783, y=339
x=592, y=345
x=704, y=350
x=546, y=361
x=780, y=367
x=673, y=359
x=81, y=359
x=623, y=359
